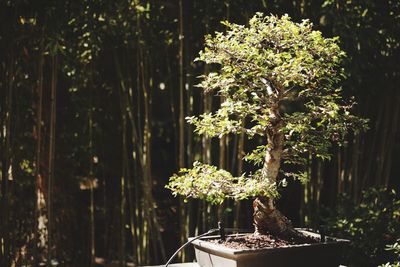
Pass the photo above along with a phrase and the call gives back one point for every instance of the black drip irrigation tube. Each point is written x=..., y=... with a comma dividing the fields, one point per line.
x=188, y=242
x=221, y=229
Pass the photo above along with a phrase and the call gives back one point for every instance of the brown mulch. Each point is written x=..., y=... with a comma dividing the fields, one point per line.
x=252, y=241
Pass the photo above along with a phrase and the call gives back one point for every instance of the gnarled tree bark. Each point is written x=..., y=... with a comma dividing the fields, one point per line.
x=267, y=218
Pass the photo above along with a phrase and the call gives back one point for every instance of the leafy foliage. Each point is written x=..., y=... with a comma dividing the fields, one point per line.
x=371, y=225
x=274, y=75
x=396, y=250
x=207, y=182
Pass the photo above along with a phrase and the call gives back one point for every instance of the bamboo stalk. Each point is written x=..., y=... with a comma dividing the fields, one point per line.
x=133, y=207
x=50, y=182
x=142, y=227
x=339, y=171
x=127, y=108
x=181, y=90
x=122, y=250
x=181, y=155
x=355, y=161
x=91, y=179
x=145, y=159
x=6, y=162
x=136, y=183
x=394, y=127
x=384, y=137
x=373, y=144
x=38, y=177
x=132, y=223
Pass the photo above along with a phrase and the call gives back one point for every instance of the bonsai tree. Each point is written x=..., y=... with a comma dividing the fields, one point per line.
x=278, y=80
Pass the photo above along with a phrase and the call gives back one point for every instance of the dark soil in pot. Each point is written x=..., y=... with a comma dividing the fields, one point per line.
x=255, y=241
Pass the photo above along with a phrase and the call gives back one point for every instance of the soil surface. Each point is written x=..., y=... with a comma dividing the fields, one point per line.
x=252, y=241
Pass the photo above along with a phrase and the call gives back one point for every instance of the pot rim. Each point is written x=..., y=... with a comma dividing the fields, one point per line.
x=203, y=244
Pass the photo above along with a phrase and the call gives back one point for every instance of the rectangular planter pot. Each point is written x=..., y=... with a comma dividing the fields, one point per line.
x=327, y=254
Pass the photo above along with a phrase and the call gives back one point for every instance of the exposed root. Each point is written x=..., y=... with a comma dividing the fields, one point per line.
x=269, y=220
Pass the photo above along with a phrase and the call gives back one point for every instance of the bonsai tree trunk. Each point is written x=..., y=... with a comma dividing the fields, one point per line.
x=267, y=219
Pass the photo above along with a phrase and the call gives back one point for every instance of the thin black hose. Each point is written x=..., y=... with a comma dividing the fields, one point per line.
x=188, y=242
x=199, y=236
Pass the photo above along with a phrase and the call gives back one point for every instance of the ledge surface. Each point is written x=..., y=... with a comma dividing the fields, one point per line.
x=191, y=264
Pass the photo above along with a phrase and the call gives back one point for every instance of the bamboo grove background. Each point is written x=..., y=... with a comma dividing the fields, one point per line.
x=93, y=100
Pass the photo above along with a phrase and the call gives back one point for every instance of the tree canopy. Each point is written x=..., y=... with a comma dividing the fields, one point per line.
x=274, y=76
